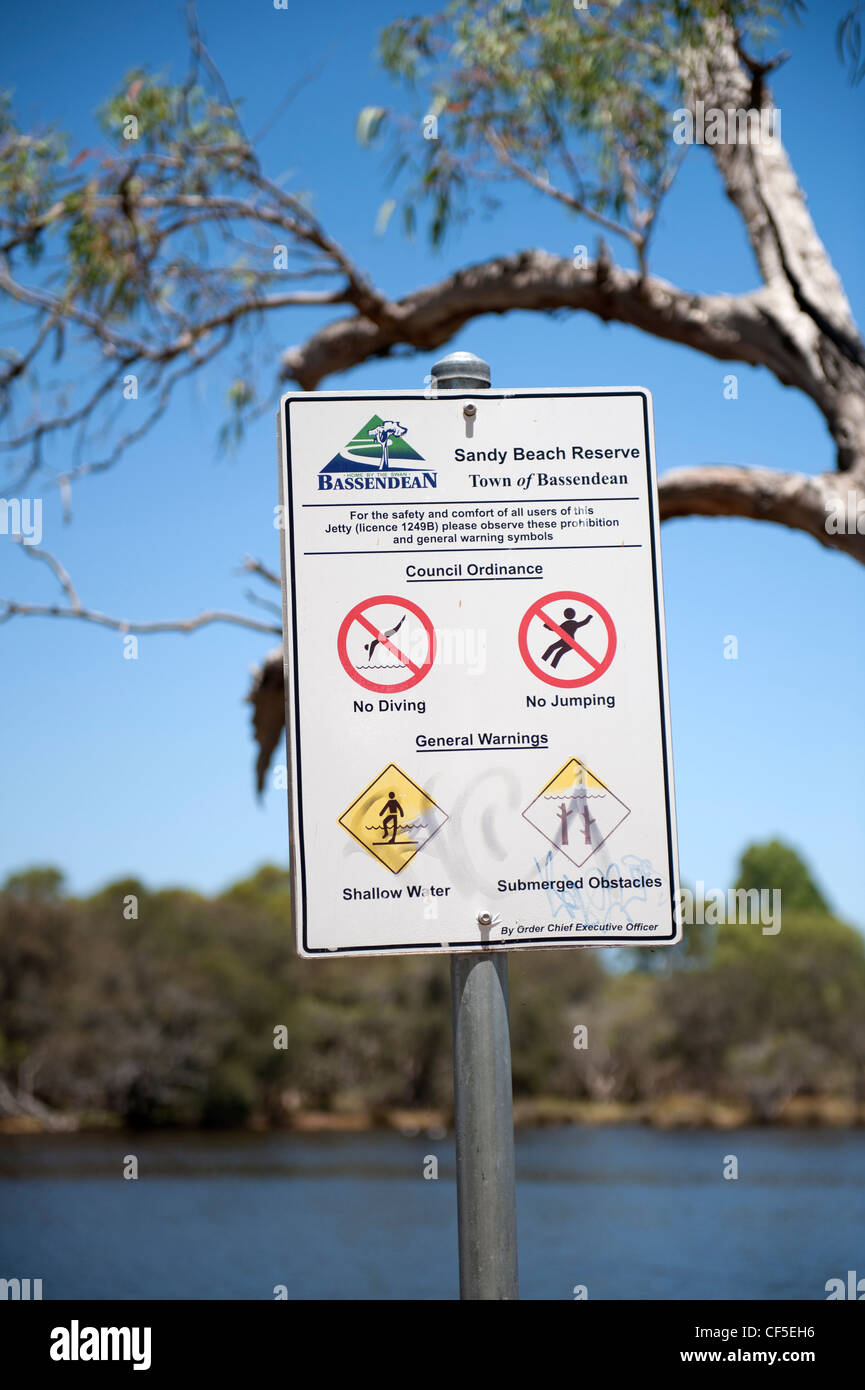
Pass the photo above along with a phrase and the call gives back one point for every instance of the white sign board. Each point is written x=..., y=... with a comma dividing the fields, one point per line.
x=476, y=688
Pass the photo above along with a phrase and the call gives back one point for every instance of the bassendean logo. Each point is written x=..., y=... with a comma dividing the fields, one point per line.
x=378, y=458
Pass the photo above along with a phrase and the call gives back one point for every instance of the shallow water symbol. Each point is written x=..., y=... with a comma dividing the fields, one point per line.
x=393, y=818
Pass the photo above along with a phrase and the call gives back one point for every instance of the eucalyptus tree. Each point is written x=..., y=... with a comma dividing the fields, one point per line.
x=128, y=269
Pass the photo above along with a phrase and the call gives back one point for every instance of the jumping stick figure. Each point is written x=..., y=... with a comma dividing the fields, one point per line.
x=560, y=646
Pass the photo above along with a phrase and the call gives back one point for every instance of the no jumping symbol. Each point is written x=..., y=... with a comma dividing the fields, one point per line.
x=548, y=642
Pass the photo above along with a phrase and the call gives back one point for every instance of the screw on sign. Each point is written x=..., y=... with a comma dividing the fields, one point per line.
x=550, y=647
x=386, y=644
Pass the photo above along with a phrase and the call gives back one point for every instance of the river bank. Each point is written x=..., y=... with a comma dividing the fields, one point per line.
x=679, y=1111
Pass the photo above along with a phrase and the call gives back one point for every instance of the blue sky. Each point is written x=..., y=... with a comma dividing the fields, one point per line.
x=145, y=767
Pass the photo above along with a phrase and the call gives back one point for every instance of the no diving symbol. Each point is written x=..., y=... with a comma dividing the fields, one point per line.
x=386, y=644
x=549, y=645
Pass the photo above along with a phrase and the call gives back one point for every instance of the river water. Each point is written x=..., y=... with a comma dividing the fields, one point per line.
x=630, y=1213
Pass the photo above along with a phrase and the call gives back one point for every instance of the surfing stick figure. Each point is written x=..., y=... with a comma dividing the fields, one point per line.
x=391, y=810
x=560, y=646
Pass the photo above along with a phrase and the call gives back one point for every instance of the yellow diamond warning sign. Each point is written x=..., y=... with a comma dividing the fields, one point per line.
x=393, y=818
x=576, y=812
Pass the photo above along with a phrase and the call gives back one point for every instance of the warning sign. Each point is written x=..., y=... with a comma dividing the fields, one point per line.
x=393, y=818
x=576, y=812
x=386, y=644
x=477, y=720
x=567, y=639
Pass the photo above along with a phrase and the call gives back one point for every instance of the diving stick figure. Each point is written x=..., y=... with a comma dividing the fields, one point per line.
x=369, y=647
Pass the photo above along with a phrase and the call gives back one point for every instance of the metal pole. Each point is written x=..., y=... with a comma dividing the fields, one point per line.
x=483, y=1094
x=483, y=1109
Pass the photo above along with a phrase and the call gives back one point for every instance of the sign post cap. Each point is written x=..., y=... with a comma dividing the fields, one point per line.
x=461, y=370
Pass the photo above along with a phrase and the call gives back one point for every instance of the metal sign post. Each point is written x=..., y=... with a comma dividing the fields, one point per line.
x=483, y=1095
x=484, y=1123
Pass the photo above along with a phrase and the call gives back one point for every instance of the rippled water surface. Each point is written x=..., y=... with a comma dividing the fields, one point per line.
x=630, y=1213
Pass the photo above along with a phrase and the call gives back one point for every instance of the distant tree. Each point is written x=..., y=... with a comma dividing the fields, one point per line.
x=42, y=881
x=268, y=886
x=776, y=865
x=169, y=1019
x=40, y=956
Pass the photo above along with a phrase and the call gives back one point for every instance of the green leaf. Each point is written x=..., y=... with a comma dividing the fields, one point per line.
x=385, y=213
x=369, y=123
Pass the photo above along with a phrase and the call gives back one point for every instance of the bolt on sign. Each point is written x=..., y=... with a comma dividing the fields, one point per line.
x=476, y=685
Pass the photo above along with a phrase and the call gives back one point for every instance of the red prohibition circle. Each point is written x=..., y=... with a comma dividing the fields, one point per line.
x=358, y=614
x=536, y=611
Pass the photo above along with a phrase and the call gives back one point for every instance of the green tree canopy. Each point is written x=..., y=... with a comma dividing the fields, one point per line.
x=774, y=865
x=43, y=881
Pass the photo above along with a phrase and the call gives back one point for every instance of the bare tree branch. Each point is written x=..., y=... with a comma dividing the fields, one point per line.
x=253, y=566
x=807, y=296
x=262, y=602
x=11, y=608
x=759, y=178
x=798, y=500
x=559, y=195
x=729, y=327
x=57, y=569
